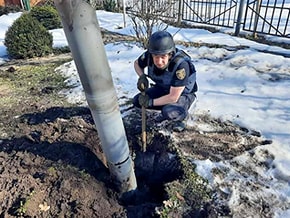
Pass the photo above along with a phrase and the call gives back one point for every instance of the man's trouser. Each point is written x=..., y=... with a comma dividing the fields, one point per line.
x=177, y=111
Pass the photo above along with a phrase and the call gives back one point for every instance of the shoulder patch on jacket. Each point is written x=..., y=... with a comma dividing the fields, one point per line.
x=180, y=74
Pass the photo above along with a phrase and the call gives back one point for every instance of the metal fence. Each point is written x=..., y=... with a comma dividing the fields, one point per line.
x=270, y=17
x=213, y=12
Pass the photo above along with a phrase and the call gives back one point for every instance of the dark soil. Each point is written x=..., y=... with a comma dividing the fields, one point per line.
x=53, y=158
x=52, y=165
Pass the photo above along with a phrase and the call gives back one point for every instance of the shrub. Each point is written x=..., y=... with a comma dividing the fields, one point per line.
x=61, y=50
x=147, y=17
x=110, y=5
x=28, y=38
x=96, y=4
x=46, y=2
x=47, y=16
x=9, y=9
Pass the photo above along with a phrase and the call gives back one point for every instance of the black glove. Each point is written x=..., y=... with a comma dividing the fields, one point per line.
x=145, y=101
x=142, y=83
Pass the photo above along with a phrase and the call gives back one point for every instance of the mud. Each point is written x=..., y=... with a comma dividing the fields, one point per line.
x=52, y=164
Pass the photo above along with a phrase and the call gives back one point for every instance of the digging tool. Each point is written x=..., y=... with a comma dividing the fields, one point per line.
x=144, y=140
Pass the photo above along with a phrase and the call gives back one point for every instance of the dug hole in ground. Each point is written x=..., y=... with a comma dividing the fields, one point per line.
x=52, y=163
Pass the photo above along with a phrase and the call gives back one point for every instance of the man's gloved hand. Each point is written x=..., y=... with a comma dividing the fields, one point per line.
x=142, y=83
x=145, y=101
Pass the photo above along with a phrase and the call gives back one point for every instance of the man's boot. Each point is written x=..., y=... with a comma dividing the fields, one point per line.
x=179, y=126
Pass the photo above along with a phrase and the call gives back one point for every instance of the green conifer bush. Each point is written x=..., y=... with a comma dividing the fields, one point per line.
x=28, y=38
x=47, y=15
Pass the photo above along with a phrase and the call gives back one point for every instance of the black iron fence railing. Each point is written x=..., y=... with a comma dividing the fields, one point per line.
x=270, y=17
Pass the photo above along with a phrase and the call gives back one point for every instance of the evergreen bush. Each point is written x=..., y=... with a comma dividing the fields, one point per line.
x=9, y=9
x=110, y=5
x=47, y=15
x=28, y=38
x=46, y=2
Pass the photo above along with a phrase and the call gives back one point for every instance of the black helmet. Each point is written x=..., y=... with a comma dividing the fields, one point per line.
x=161, y=42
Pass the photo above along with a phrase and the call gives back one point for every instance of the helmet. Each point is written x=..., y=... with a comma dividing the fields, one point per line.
x=161, y=42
